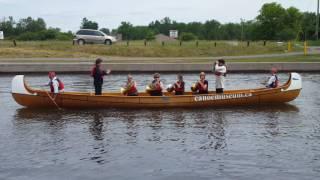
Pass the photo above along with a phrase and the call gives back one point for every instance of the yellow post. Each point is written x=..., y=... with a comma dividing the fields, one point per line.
x=289, y=46
x=305, y=48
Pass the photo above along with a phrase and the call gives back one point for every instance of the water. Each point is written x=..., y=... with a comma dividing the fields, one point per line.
x=274, y=142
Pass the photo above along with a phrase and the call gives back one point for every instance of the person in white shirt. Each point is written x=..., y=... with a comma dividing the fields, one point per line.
x=273, y=81
x=220, y=71
x=56, y=86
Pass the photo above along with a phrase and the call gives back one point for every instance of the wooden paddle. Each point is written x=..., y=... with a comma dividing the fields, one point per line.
x=54, y=102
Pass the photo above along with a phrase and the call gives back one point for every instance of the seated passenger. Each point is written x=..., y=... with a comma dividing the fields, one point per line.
x=201, y=87
x=130, y=89
x=156, y=86
x=56, y=85
x=179, y=86
x=273, y=81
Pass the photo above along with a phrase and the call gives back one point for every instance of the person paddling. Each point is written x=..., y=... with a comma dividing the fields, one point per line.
x=273, y=81
x=179, y=85
x=130, y=89
x=97, y=73
x=156, y=86
x=201, y=87
x=56, y=85
x=220, y=71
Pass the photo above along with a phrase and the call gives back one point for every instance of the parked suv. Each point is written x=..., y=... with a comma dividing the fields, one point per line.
x=84, y=36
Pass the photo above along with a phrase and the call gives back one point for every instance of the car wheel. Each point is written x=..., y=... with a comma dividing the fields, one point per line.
x=108, y=42
x=81, y=42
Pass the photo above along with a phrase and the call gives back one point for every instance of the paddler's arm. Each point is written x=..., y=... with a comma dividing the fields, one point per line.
x=161, y=85
x=106, y=72
x=55, y=84
x=220, y=69
x=176, y=84
x=214, y=67
x=270, y=81
x=205, y=86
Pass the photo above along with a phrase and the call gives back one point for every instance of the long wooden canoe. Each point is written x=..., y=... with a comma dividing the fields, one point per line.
x=26, y=96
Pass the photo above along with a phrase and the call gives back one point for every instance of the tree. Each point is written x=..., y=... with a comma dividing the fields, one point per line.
x=30, y=25
x=271, y=20
x=230, y=31
x=7, y=26
x=86, y=24
x=126, y=30
x=105, y=30
x=308, y=26
x=293, y=22
x=149, y=35
x=187, y=36
x=211, y=30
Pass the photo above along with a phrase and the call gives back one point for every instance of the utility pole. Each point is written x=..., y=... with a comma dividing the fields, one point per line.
x=317, y=22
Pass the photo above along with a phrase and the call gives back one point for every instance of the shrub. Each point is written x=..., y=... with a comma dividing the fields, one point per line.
x=149, y=36
x=49, y=34
x=187, y=36
x=64, y=36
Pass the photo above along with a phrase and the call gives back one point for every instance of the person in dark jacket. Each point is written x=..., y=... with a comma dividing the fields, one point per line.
x=97, y=73
x=202, y=84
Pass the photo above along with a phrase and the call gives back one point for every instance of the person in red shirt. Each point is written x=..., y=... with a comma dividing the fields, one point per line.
x=97, y=73
x=131, y=87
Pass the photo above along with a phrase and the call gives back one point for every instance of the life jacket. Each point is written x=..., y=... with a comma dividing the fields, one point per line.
x=60, y=85
x=157, y=86
x=132, y=90
x=95, y=75
x=275, y=84
x=201, y=89
x=179, y=89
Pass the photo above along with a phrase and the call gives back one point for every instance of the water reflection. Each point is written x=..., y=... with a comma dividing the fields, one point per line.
x=29, y=115
x=251, y=142
x=214, y=128
x=179, y=118
x=96, y=126
x=54, y=118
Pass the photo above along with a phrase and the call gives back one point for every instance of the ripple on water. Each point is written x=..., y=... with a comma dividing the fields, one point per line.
x=268, y=142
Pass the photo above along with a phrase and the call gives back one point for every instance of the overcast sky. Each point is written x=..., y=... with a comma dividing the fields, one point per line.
x=67, y=14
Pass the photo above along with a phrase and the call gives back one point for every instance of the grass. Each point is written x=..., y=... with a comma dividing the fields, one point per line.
x=65, y=49
x=196, y=60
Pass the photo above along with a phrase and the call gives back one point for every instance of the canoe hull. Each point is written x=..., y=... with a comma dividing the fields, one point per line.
x=69, y=102
x=27, y=97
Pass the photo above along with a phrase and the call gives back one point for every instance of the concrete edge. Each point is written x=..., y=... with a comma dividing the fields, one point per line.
x=161, y=67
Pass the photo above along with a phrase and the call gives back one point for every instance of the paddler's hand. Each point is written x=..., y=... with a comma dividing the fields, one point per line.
x=108, y=71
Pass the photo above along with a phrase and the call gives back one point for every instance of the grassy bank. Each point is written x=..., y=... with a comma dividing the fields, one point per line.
x=146, y=60
x=65, y=49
